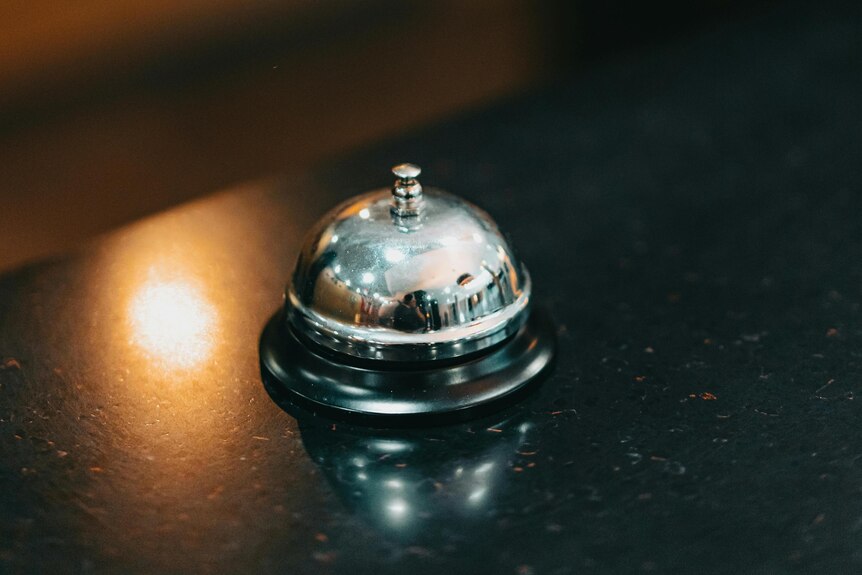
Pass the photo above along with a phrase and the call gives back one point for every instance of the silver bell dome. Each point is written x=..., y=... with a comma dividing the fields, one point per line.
x=407, y=274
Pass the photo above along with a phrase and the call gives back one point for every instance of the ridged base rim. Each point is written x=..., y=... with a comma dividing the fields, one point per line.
x=382, y=344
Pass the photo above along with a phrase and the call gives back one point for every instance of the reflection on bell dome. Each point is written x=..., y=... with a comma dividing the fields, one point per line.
x=373, y=284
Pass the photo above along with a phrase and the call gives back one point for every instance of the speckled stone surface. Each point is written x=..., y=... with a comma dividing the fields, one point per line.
x=691, y=217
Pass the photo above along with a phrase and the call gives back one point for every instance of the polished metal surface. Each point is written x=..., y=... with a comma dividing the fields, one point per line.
x=407, y=275
x=407, y=171
x=407, y=197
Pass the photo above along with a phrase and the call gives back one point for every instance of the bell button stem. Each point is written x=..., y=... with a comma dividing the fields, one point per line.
x=407, y=200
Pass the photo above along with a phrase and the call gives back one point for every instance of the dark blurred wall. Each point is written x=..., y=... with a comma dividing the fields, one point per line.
x=110, y=110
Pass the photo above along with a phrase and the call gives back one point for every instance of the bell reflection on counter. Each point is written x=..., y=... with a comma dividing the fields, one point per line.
x=407, y=303
x=418, y=486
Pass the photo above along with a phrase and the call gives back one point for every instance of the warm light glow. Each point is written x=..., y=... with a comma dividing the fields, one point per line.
x=173, y=322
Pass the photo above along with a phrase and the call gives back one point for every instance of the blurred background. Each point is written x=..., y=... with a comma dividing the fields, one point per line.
x=114, y=109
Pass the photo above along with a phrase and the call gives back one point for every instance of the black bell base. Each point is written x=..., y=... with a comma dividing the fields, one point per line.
x=391, y=394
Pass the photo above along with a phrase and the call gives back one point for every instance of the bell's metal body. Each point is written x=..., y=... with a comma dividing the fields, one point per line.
x=405, y=303
x=432, y=280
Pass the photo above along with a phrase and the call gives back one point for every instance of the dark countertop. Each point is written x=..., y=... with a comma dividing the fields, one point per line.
x=691, y=217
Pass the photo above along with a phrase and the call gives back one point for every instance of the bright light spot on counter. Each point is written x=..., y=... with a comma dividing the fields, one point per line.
x=173, y=321
x=367, y=277
x=364, y=213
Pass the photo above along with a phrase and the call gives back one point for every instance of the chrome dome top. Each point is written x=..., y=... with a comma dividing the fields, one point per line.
x=407, y=275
